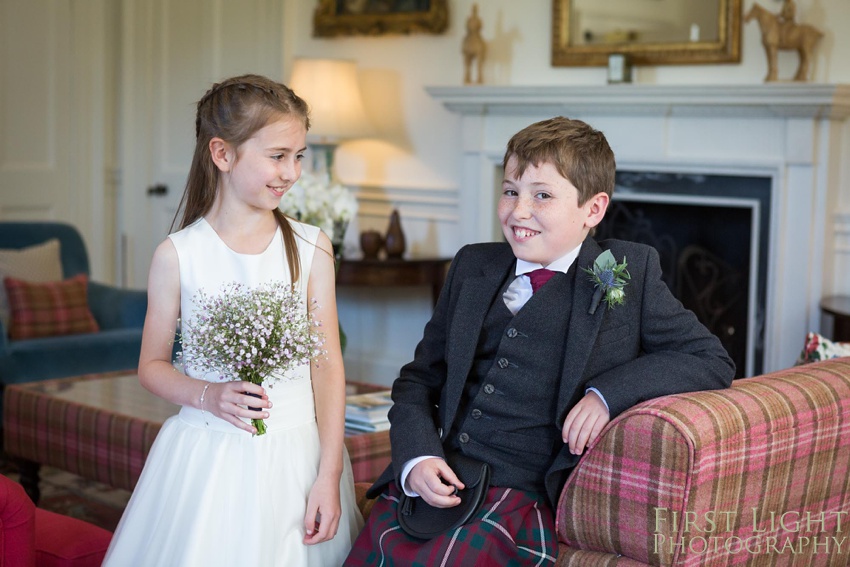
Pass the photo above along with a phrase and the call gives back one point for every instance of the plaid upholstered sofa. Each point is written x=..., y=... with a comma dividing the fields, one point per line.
x=758, y=474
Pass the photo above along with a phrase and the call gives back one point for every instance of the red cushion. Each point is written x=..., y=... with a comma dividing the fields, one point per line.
x=62, y=541
x=49, y=309
x=17, y=520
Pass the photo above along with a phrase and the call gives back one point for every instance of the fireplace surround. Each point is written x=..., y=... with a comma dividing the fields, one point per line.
x=795, y=137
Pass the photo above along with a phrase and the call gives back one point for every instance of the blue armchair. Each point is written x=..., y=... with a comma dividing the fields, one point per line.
x=120, y=314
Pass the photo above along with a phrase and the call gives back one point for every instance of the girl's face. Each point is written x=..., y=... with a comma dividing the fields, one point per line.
x=268, y=164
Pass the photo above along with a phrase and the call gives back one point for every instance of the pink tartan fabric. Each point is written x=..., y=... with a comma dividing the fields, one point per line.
x=724, y=464
x=103, y=446
x=89, y=442
x=513, y=528
x=369, y=454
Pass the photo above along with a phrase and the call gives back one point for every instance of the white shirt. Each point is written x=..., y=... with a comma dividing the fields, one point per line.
x=515, y=297
x=519, y=292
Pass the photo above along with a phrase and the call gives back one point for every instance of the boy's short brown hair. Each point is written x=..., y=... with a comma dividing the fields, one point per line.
x=580, y=153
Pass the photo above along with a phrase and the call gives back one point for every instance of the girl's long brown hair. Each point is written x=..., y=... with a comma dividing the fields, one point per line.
x=234, y=110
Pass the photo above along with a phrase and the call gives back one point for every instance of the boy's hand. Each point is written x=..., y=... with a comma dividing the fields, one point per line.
x=435, y=482
x=584, y=422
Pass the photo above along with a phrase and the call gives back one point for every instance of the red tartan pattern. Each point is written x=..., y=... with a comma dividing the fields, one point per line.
x=513, y=528
x=49, y=309
x=84, y=440
x=774, y=443
x=369, y=453
x=110, y=445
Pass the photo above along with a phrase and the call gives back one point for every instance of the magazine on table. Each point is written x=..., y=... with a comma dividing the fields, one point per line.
x=370, y=408
x=366, y=426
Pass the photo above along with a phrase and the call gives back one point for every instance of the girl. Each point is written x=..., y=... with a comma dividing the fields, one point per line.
x=211, y=492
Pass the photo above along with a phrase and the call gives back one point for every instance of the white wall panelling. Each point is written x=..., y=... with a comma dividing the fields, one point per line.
x=173, y=51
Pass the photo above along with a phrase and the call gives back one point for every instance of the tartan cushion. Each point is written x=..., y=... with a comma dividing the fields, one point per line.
x=49, y=309
x=39, y=263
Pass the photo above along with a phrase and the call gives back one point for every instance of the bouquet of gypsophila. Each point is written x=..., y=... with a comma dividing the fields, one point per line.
x=253, y=334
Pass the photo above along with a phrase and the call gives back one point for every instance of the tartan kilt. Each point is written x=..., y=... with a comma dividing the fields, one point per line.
x=513, y=527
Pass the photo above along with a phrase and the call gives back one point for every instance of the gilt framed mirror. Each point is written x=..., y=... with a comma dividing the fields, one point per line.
x=648, y=32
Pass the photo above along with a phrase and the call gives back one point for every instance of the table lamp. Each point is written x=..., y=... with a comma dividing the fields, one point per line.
x=331, y=90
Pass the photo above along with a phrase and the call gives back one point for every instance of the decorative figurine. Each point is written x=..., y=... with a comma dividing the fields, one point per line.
x=782, y=32
x=473, y=48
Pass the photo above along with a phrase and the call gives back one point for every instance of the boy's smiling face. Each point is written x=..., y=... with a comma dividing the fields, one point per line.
x=540, y=214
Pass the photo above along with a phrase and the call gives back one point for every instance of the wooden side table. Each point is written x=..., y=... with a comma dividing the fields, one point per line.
x=838, y=306
x=394, y=273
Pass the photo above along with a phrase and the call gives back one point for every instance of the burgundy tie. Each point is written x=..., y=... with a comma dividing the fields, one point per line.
x=539, y=277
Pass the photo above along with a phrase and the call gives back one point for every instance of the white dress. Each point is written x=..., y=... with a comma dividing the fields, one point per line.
x=214, y=495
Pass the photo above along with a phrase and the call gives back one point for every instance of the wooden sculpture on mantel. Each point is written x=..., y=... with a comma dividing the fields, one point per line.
x=782, y=32
x=473, y=48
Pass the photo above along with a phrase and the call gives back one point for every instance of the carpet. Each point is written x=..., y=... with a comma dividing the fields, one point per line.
x=71, y=495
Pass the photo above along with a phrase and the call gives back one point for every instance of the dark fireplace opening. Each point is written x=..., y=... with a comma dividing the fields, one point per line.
x=711, y=233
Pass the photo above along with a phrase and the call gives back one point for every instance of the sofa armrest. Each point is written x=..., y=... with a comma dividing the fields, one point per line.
x=671, y=473
x=117, y=308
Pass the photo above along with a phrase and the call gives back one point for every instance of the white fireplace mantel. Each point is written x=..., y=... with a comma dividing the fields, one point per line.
x=798, y=135
x=778, y=100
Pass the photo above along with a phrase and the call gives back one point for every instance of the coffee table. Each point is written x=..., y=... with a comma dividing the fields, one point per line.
x=101, y=427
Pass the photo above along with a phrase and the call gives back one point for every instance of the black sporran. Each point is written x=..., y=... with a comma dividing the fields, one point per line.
x=421, y=520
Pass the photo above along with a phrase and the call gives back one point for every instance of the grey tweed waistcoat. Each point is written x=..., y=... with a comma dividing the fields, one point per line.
x=506, y=414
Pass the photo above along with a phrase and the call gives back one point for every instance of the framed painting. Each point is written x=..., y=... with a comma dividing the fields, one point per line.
x=647, y=32
x=379, y=17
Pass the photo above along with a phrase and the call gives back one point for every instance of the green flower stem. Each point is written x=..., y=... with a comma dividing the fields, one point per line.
x=255, y=378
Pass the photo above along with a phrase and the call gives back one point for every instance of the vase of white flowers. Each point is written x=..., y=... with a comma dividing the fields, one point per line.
x=318, y=200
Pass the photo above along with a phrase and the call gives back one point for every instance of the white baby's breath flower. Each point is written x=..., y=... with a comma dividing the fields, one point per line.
x=315, y=199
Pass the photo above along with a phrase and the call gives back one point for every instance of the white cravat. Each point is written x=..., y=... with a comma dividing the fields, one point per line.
x=519, y=292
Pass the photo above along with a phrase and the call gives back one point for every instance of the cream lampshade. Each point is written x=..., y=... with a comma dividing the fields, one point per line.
x=331, y=90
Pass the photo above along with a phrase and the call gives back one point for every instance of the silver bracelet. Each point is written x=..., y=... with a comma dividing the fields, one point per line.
x=203, y=394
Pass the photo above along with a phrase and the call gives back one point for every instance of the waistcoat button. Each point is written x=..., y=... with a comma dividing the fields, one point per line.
x=503, y=363
x=463, y=438
x=476, y=413
x=512, y=333
x=489, y=389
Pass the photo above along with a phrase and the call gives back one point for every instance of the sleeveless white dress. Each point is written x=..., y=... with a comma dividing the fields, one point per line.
x=214, y=495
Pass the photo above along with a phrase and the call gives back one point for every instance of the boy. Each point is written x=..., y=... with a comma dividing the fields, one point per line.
x=524, y=371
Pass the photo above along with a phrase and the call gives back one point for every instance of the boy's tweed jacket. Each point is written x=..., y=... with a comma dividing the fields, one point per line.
x=648, y=347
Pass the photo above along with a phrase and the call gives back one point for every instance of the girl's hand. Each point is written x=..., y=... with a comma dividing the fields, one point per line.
x=225, y=400
x=323, y=511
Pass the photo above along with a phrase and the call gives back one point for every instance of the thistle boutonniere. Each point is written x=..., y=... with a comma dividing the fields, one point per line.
x=609, y=279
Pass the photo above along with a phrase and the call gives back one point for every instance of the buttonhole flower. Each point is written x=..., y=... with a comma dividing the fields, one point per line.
x=609, y=279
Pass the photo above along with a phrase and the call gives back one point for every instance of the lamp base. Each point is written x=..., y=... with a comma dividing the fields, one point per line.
x=323, y=158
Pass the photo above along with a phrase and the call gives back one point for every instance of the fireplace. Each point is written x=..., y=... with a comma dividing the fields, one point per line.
x=759, y=167
x=712, y=236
